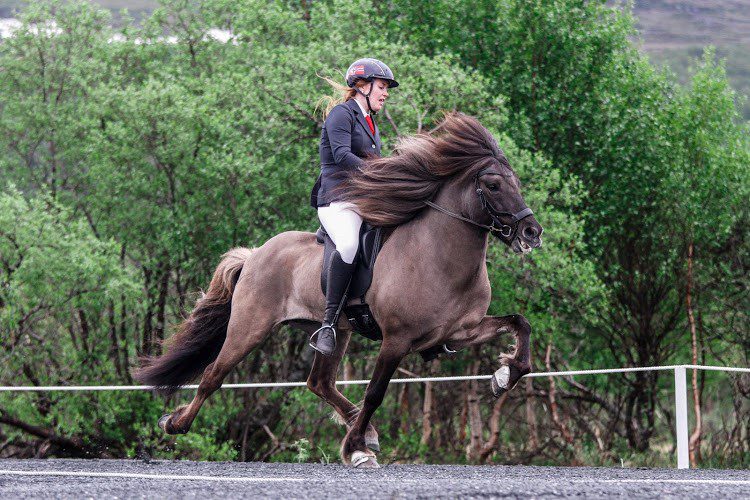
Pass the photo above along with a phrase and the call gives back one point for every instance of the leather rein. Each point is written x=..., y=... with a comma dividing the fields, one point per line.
x=498, y=228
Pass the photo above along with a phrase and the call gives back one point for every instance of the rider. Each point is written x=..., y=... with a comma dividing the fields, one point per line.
x=349, y=135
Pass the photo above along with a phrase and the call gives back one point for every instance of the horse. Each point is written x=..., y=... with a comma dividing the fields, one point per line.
x=440, y=196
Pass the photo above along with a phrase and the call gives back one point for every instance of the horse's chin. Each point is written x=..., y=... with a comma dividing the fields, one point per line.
x=519, y=246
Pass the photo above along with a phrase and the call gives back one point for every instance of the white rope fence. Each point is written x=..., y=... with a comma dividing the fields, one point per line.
x=680, y=380
x=272, y=385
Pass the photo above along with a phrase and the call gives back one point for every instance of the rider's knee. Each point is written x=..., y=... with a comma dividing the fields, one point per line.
x=348, y=250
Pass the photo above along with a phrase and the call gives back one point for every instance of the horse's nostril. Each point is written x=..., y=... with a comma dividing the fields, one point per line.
x=530, y=232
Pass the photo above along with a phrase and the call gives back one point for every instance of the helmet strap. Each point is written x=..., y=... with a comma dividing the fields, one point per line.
x=367, y=97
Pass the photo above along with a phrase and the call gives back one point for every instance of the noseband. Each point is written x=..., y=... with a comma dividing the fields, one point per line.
x=506, y=232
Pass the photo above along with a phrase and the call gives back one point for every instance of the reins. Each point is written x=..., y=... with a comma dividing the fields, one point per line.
x=456, y=216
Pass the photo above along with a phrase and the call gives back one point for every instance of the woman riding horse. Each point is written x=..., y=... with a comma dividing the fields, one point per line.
x=349, y=135
x=441, y=195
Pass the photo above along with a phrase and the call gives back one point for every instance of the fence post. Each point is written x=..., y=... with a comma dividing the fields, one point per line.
x=680, y=407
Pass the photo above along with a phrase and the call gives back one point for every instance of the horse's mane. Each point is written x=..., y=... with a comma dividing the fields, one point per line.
x=390, y=191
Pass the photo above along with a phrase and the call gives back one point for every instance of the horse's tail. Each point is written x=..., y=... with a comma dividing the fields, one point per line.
x=200, y=337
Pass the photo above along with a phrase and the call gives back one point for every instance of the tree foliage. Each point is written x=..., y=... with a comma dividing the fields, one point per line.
x=133, y=158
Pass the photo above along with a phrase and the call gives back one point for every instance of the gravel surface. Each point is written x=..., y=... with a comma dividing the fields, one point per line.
x=165, y=479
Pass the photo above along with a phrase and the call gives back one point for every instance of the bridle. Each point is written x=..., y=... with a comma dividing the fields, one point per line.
x=506, y=232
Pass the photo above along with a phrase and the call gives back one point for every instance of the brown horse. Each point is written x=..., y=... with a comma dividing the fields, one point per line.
x=441, y=195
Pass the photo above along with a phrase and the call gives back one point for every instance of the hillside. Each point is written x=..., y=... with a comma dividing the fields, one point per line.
x=673, y=32
x=677, y=24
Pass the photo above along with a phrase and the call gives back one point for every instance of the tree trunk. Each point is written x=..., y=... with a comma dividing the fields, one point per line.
x=85, y=330
x=180, y=290
x=474, y=449
x=491, y=444
x=147, y=326
x=349, y=372
x=114, y=347
x=464, y=419
x=695, y=437
x=124, y=337
x=161, y=310
x=531, y=416
x=562, y=426
x=427, y=414
x=404, y=408
x=428, y=405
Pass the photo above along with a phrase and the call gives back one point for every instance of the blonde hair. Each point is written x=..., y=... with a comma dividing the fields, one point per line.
x=341, y=93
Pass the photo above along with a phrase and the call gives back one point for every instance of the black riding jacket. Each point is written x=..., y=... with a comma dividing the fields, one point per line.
x=345, y=140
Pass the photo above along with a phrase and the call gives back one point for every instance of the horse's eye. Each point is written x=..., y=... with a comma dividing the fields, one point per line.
x=492, y=187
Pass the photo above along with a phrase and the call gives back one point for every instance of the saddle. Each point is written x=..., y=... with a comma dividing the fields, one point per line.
x=358, y=313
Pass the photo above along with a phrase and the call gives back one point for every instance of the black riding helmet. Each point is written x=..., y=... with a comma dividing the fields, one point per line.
x=368, y=69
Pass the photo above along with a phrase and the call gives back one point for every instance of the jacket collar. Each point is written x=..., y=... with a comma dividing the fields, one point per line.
x=361, y=108
x=354, y=106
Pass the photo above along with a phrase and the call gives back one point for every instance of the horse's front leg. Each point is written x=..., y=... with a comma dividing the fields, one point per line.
x=354, y=447
x=513, y=366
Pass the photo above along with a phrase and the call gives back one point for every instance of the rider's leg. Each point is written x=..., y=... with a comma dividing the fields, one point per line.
x=342, y=224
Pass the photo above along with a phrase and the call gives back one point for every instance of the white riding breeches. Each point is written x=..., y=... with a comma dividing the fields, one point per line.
x=342, y=224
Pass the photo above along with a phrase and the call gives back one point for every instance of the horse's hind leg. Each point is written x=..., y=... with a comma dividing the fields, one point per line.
x=322, y=382
x=242, y=337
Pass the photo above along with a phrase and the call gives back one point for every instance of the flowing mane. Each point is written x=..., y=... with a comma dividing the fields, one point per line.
x=390, y=191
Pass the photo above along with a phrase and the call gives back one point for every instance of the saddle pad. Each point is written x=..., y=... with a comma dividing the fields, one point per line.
x=370, y=239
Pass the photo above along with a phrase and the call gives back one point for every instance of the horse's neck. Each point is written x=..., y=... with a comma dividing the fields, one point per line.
x=453, y=244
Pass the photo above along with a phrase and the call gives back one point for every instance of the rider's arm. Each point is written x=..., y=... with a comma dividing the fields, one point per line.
x=339, y=127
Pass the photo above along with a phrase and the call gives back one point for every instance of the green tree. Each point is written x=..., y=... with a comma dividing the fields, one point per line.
x=173, y=146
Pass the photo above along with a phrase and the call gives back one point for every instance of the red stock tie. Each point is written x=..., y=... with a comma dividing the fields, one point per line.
x=369, y=122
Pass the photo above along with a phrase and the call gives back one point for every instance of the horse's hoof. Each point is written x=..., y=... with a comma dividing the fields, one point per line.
x=373, y=445
x=499, y=381
x=163, y=422
x=362, y=460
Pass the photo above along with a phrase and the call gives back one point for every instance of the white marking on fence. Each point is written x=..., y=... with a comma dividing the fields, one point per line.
x=164, y=477
x=679, y=380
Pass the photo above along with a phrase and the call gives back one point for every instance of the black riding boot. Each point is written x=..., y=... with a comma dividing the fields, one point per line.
x=339, y=275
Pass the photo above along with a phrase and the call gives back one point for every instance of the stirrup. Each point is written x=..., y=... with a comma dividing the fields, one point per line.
x=448, y=350
x=314, y=339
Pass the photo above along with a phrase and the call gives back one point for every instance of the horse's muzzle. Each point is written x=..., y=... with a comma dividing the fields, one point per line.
x=518, y=245
x=528, y=236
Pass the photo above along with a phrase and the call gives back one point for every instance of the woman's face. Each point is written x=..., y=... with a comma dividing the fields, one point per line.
x=379, y=93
